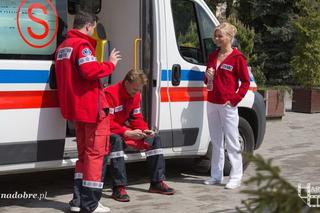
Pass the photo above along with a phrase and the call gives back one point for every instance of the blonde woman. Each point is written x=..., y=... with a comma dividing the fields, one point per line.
x=226, y=68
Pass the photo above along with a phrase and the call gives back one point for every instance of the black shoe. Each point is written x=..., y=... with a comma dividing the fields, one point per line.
x=119, y=193
x=161, y=188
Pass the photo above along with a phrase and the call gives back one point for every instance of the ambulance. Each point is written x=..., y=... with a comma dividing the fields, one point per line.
x=168, y=39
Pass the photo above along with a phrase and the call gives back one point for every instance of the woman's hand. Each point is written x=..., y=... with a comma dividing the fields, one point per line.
x=227, y=103
x=209, y=73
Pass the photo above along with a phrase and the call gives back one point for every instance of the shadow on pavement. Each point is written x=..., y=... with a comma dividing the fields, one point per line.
x=59, y=183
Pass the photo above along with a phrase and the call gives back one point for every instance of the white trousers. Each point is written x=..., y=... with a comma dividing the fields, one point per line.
x=223, y=125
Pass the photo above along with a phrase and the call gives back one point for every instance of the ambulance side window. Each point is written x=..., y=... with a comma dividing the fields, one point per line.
x=187, y=30
x=193, y=29
x=206, y=28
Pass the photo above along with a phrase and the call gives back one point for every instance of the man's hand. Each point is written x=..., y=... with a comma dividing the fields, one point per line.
x=150, y=133
x=115, y=57
x=136, y=134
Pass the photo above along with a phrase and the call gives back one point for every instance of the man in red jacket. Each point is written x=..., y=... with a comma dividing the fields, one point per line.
x=82, y=100
x=128, y=128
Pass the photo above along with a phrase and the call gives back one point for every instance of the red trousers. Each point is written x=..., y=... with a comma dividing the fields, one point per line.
x=92, y=145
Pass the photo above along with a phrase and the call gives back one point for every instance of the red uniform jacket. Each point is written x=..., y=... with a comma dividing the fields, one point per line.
x=125, y=113
x=226, y=78
x=78, y=73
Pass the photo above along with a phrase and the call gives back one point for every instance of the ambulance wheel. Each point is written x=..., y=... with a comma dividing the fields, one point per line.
x=246, y=138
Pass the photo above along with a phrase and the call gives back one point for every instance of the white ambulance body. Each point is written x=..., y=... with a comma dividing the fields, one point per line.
x=168, y=39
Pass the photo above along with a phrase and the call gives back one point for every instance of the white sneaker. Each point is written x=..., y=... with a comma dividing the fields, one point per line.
x=212, y=181
x=75, y=209
x=232, y=185
x=101, y=209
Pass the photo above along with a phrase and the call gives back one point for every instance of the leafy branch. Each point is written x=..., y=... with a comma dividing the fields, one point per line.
x=273, y=193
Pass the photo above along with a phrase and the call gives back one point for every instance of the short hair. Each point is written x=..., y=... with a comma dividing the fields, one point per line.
x=82, y=18
x=137, y=76
x=229, y=29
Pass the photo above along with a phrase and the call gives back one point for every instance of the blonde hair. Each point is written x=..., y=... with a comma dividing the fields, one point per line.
x=227, y=28
x=137, y=76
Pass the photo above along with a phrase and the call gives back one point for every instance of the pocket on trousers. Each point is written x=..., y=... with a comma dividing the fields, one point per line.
x=101, y=136
x=228, y=106
x=101, y=132
x=100, y=141
x=103, y=127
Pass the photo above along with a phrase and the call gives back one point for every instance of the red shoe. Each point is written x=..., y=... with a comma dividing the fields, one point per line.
x=119, y=193
x=161, y=188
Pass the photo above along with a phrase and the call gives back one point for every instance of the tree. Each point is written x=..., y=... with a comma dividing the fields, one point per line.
x=271, y=21
x=243, y=11
x=273, y=193
x=245, y=37
x=190, y=38
x=230, y=8
x=306, y=54
x=214, y=3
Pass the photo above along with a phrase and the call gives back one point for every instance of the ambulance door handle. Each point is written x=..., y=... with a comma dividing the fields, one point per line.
x=176, y=75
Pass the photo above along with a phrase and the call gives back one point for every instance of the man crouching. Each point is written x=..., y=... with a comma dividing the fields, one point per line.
x=128, y=128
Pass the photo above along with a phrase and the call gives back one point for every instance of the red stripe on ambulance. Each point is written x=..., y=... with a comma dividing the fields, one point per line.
x=186, y=94
x=28, y=99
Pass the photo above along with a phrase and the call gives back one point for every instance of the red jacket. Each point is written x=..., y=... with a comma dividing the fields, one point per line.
x=125, y=111
x=226, y=78
x=78, y=73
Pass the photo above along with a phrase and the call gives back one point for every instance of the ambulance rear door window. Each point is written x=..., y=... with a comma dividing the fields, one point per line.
x=31, y=29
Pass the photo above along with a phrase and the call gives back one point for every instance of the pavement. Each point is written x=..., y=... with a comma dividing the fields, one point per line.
x=293, y=143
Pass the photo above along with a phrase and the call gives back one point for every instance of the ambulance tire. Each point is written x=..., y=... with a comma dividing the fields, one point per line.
x=247, y=145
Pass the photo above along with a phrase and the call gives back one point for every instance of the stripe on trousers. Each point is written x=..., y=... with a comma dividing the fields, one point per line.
x=154, y=152
x=78, y=175
x=92, y=184
x=118, y=154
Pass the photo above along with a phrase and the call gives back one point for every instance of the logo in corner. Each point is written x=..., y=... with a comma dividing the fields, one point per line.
x=310, y=195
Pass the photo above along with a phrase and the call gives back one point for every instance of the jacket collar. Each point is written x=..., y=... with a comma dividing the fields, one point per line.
x=74, y=33
x=123, y=91
x=234, y=52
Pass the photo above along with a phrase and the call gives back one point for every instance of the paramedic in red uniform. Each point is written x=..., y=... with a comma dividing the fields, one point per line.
x=226, y=68
x=128, y=128
x=82, y=100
